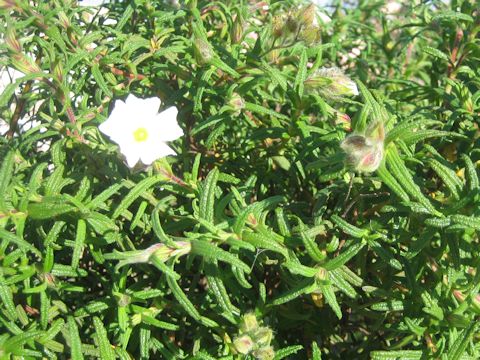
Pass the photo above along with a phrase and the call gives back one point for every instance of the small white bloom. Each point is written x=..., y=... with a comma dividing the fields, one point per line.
x=140, y=131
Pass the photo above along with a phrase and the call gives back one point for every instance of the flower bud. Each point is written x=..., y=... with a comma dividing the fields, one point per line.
x=308, y=15
x=476, y=303
x=64, y=20
x=263, y=336
x=331, y=82
x=365, y=153
x=237, y=103
x=243, y=344
x=265, y=353
x=343, y=120
x=8, y=4
x=459, y=295
x=362, y=154
x=292, y=23
x=157, y=252
x=310, y=35
x=237, y=29
x=202, y=51
x=123, y=300
x=165, y=252
x=12, y=41
x=278, y=25
x=25, y=64
x=249, y=323
x=58, y=72
x=322, y=274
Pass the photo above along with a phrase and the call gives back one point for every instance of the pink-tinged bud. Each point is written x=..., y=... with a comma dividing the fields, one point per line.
x=476, y=303
x=343, y=120
x=237, y=103
x=8, y=4
x=25, y=64
x=64, y=20
x=365, y=152
x=58, y=72
x=238, y=29
x=202, y=51
x=331, y=83
x=459, y=296
x=12, y=42
x=243, y=344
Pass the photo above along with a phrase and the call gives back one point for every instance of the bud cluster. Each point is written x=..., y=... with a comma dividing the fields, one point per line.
x=300, y=24
x=254, y=339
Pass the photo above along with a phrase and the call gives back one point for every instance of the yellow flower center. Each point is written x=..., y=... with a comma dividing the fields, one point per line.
x=140, y=135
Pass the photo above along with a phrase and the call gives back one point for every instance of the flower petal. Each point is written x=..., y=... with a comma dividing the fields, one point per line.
x=131, y=155
x=142, y=108
x=152, y=151
x=166, y=125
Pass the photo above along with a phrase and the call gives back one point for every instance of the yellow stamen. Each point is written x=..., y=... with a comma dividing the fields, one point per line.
x=140, y=135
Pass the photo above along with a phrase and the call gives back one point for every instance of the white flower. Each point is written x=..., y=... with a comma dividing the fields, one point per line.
x=140, y=131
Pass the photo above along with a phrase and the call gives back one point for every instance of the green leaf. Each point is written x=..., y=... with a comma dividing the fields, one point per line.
x=287, y=351
x=316, y=354
x=263, y=242
x=264, y=111
x=435, y=53
x=459, y=346
x=330, y=298
x=98, y=76
x=301, y=73
x=74, y=338
x=344, y=256
x=21, y=243
x=104, y=346
x=207, y=196
x=137, y=191
x=212, y=253
x=183, y=299
x=397, y=355
x=6, y=172
x=79, y=242
x=348, y=228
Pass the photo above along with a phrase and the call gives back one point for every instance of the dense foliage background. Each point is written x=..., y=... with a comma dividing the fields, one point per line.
x=271, y=221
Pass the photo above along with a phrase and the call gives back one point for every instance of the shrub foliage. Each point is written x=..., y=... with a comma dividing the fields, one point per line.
x=260, y=231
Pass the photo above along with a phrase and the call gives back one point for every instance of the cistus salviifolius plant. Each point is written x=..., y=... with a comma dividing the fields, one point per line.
x=239, y=180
